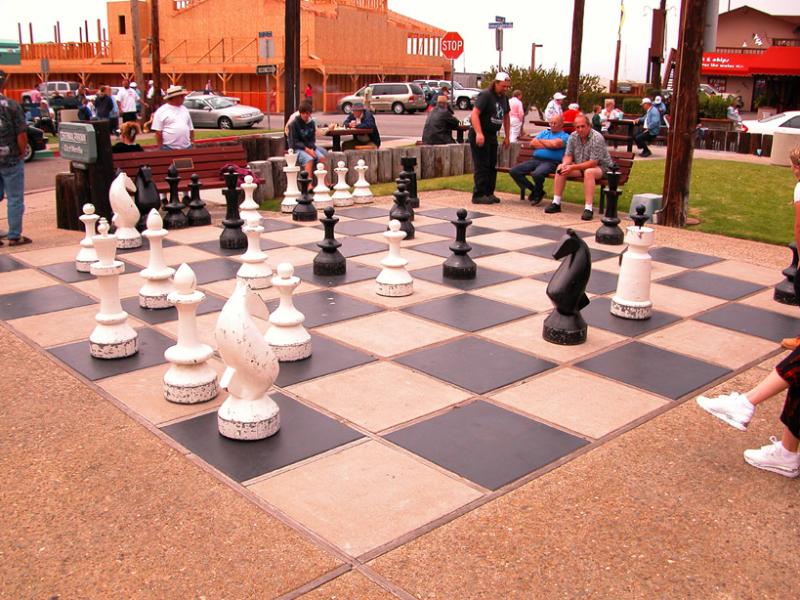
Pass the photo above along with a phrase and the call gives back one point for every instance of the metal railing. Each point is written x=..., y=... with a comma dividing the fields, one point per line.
x=739, y=50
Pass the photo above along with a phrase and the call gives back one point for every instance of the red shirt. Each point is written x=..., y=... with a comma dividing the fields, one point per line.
x=569, y=118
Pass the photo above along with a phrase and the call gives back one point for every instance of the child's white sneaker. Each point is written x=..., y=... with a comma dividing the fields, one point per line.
x=774, y=457
x=735, y=409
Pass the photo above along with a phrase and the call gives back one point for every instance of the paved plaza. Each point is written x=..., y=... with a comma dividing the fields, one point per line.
x=433, y=446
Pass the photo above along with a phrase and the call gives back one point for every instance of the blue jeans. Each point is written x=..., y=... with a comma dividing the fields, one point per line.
x=303, y=157
x=538, y=169
x=12, y=185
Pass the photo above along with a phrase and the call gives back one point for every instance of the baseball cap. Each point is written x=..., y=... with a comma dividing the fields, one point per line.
x=133, y=84
x=657, y=100
x=558, y=96
x=646, y=101
x=501, y=76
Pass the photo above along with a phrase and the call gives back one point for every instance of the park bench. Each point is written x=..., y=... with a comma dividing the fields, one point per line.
x=623, y=160
x=205, y=160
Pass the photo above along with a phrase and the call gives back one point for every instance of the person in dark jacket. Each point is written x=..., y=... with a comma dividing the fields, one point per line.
x=84, y=112
x=103, y=105
x=440, y=122
x=361, y=117
x=303, y=139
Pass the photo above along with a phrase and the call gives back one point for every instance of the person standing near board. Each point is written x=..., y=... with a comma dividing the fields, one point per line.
x=490, y=114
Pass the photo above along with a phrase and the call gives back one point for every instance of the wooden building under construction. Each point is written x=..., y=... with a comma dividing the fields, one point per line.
x=344, y=44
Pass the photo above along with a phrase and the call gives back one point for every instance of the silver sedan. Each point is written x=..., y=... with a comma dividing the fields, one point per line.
x=222, y=112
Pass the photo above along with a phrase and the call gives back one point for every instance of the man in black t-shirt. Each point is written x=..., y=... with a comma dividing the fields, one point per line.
x=490, y=114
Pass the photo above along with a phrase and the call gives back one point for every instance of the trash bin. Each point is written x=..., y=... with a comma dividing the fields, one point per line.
x=783, y=141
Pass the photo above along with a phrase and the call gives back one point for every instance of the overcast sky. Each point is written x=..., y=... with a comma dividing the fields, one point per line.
x=541, y=21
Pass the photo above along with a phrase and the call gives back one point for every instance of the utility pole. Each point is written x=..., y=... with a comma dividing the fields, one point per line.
x=615, y=81
x=534, y=46
x=155, y=48
x=575, y=58
x=291, y=92
x=137, y=47
x=680, y=143
x=656, y=56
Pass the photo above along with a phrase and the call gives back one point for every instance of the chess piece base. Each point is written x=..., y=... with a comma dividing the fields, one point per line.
x=198, y=217
x=322, y=204
x=460, y=270
x=362, y=199
x=636, y=311
x=154, y=301
x=784, y=293
x=110, y=342
x=129, y=242
x=292, y=352
x=337, y=202
x=610, y=235
x=83, y=266
x=239, y=419
x=330, y=264
x=232, y=238
x=564, y=330
x=287, y=206
x=304, y=216
x=257, y=282
x=394, y=290
x=190, y=384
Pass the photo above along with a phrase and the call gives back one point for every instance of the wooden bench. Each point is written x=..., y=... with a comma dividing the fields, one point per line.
x=623, y=160
x=205, y=160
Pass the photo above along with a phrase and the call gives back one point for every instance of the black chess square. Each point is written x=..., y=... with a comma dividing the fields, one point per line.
x=653, y=369
x=8, y=264
x=442, y=248
x=450, y=214
x=151, y=352
x=475, y=364
x=486, y=444
x=41, y=300
x=359, y=227
x=484, y=277
x=355, y=272
x=327, y=356
x=600, y=282
x=67, y=272
x=165, y=243
x=712, y=284
x=546, y=251
x=448, y=230
x=304, y=433
x=682, y=258
x=753, y=321
x=548, y=232
x=467, y=312
x=271, y=225
x=215, y=269
x=156, y=316
x=598, y=314
x=352, y=246
x=212, y=246
x=363, y=212
x=327, y=306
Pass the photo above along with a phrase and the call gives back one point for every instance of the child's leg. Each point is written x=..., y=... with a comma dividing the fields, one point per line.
x=769, y=386
x=789, y=441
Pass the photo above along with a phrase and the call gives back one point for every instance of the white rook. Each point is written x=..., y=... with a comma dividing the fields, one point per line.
x=322, y=198
x=157, y=275
x=632, y=300
x=249, y=207
x=361, y=192
x=190, y=379
x=286, y=335
x=86, y=255
x=394, y=280
x=292, y=192
x=126, y=214
x=254, y=270
x=341, y=191
x=248, y=413
x=112, y=337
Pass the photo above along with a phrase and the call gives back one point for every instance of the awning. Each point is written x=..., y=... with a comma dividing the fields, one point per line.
x=775, y=60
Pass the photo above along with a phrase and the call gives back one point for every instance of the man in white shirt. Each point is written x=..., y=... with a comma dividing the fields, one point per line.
x=126, y=99
x=172, y=122
x=554, y=107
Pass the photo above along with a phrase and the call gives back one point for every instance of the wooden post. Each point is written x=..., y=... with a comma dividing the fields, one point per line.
x=291, y=58
x=155, y=46
x=575, y=58
x=30, y=31
x=136, y=34
x=534, y=46
x=678, y=169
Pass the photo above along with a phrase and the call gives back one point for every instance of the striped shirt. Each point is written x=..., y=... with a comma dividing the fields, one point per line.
x=593, y=149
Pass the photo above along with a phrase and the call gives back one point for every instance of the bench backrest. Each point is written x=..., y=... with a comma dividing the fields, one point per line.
x=623, y=159
x=206, y=161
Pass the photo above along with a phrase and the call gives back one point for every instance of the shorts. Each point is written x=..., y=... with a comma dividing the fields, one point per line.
x=789, y=370
x=303, y=157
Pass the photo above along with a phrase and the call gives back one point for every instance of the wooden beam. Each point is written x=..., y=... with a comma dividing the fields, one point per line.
x=575, y=57
x=291, y=57
x=136, y=35
x=155, y=45
x=680, y=142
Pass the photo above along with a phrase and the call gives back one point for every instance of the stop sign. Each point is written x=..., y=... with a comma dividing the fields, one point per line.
x=452, y=45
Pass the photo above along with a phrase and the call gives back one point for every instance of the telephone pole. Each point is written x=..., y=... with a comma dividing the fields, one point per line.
x=575, y=58
x=155, y=52
x=534, y=46
x=137, y=46
x=291, y=92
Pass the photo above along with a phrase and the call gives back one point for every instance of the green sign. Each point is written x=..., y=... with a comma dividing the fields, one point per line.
x=77, y=142
x=9, y=53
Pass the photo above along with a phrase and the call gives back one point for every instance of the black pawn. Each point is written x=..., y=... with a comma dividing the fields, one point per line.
x=232, y=236
x=609, y=232
x=400, y=212
x=460, y=265
x=408, y=163
x=785, y=290
x=304, y=210
x=147, y=197
x=329, y=261
x=198, y=213
x=174, y=219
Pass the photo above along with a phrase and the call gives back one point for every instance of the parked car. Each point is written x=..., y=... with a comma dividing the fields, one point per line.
x=196, y=93
x=397, y=97
x=770, y=124
x=222, y=112
x=36, y=142
x=464, y=97
x=65, y=89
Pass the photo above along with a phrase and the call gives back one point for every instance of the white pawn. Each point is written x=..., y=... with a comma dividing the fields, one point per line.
x=292, y=192
x=322, y=198
x=126, y=214
x=394, y=280
x=286, y=335
x=157, y=275
x=249, y=207
x=254, y=270
x=251, y=369
x=86, y=255
x=112, y=337
x=341, y=191
x=632, y=300
x=361, y=192
x=190, y=379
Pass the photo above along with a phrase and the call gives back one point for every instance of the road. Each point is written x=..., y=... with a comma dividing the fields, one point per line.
x=41, y=172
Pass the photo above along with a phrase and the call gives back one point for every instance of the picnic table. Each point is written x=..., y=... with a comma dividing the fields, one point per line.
x=337, y=134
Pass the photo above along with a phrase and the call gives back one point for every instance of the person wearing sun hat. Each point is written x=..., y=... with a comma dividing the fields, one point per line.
x=491, y=113
x=554, y=106
x=172, y=122
x=650, y=125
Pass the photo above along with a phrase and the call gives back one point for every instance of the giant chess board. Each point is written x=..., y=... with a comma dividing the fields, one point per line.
x=412, y=408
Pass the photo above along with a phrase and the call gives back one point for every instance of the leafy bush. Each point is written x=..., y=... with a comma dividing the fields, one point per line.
x=632, y=106
x=716, y=107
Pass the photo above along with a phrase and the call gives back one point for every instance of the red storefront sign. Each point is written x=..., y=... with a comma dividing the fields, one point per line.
x=776, y=60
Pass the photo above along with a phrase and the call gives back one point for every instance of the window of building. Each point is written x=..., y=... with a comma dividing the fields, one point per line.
x=718, y=83
x=122, y=24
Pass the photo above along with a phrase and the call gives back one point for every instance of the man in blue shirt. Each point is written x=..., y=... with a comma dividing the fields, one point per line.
x=362, y=117
x=549, y=147
x=650, y=123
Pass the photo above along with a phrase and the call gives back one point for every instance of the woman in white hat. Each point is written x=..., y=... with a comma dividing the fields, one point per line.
x=172, y=122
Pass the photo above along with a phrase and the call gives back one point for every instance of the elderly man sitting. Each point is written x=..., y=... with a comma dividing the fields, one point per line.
x=586, y=158
x=361, y=117
x=440, y=124
x=549, y=147
x=650, y=123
